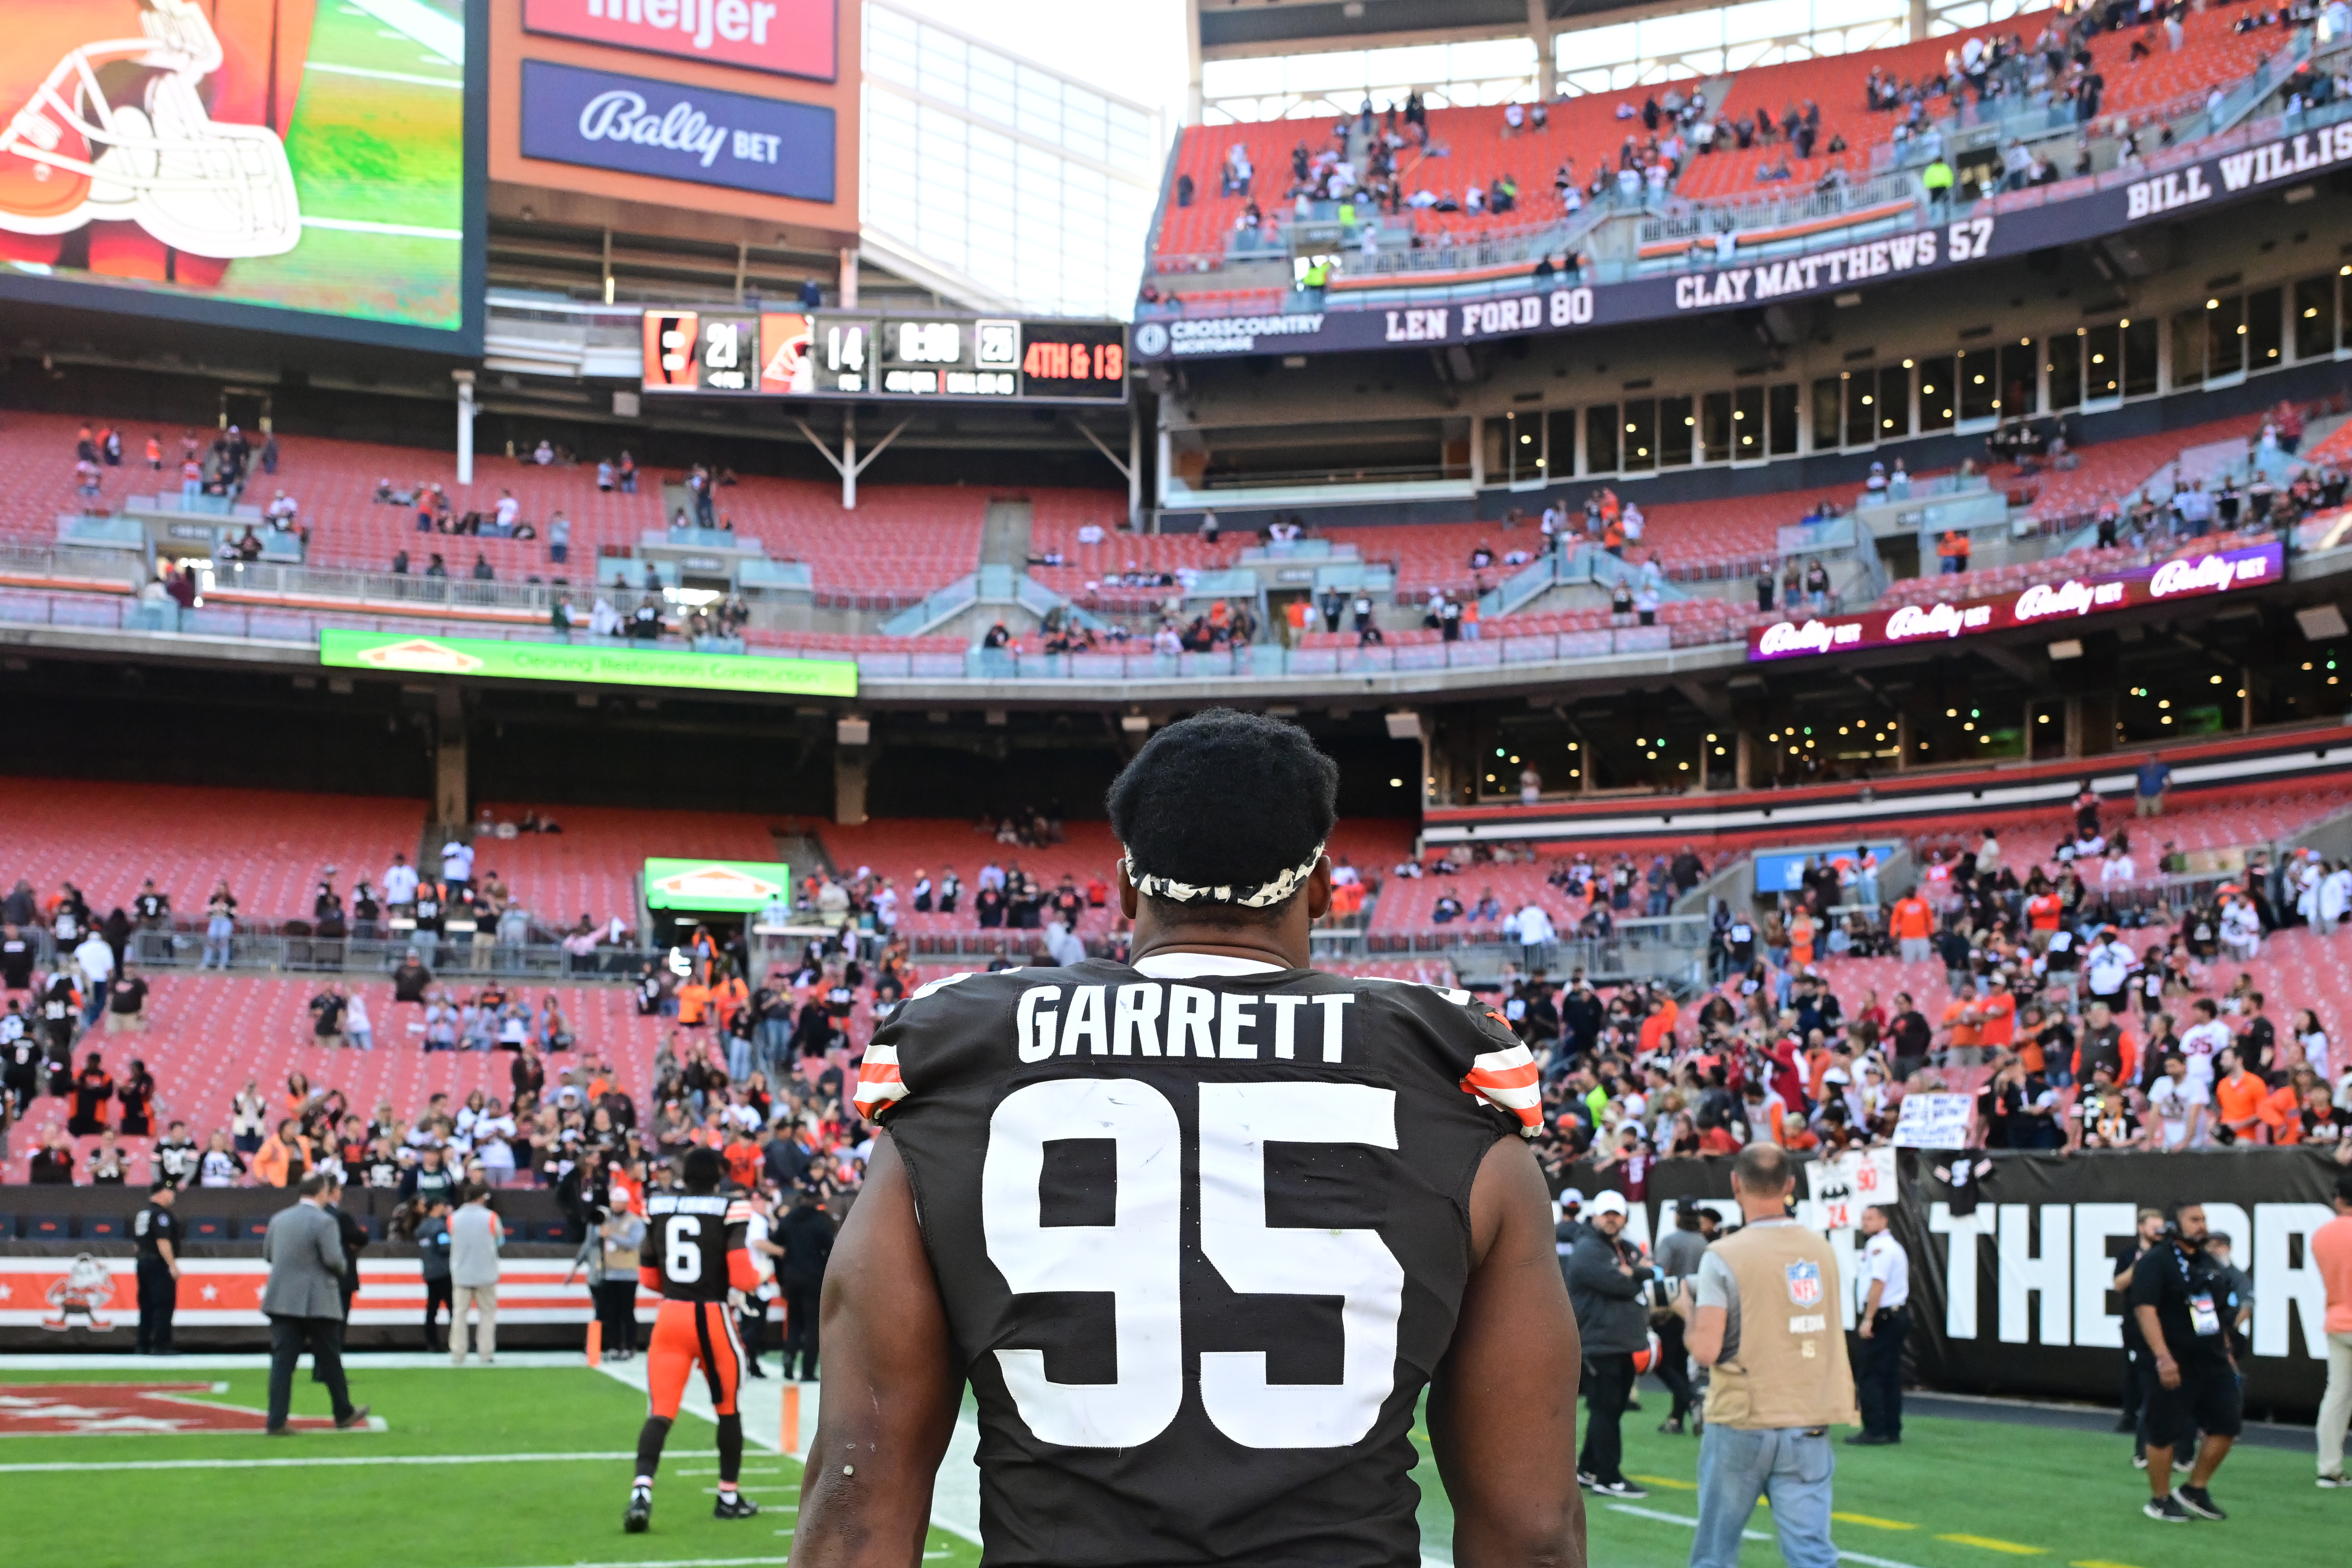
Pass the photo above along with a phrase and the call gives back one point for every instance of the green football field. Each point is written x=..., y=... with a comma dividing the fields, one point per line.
x=527, y=1468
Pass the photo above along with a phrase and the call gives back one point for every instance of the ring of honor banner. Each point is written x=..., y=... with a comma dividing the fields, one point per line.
x=2012, y=1272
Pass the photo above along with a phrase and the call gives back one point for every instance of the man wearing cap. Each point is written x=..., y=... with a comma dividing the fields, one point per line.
x=1570, y=1228
x=1763, y=1316
x=1605, y=1281
x=1884, y=1323
x=156, y=1230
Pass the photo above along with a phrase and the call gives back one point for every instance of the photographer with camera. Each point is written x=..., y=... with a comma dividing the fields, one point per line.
x=1607, y=1281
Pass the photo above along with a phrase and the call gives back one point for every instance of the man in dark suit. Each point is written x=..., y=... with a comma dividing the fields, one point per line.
x=806, y=1235
x=354, y=1238
x=304, y=1302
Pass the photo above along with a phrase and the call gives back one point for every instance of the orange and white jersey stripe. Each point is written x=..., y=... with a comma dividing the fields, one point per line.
x=879, y=1084
x=1508, y=1080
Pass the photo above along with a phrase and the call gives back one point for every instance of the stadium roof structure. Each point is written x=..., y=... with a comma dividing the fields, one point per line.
x=1236, y=29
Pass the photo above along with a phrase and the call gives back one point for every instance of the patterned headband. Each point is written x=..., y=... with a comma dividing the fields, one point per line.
x=1256, y=898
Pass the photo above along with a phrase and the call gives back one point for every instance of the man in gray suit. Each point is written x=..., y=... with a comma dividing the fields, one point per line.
x=304, y=1301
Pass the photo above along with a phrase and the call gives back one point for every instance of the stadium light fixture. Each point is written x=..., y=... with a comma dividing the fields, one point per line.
x=2319, y=623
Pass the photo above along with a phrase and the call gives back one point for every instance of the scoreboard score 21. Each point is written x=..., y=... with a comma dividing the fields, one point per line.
x=826, y=353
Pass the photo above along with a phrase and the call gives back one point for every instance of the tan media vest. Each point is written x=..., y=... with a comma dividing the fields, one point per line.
x=1790, y=1368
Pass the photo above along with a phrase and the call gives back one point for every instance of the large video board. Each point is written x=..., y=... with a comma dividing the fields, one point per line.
x=851, y=354
x=294, y=165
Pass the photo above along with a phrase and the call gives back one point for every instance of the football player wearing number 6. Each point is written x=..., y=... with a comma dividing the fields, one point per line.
x=1198, y=1230
x=695, y=1254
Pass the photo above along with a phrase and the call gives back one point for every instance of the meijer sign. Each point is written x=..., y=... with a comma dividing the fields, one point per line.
x=791, y=38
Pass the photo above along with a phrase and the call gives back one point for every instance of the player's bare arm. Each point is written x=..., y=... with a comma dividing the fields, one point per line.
x=1502, y=1408
x=889, y=1388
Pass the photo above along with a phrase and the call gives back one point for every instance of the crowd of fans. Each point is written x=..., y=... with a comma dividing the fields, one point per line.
x=2074, y=1024
x=762, y=1075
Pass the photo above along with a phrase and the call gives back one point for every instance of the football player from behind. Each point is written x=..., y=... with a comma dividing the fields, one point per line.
x=695, y=1253
x=1199, y=1229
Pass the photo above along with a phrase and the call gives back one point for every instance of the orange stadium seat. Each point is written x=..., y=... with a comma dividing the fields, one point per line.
x=902, y=541
x=272, y=847
x=594, y=866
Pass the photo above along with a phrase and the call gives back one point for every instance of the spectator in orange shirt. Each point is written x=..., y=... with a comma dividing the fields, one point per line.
x=2283, y=1107
x=1997, y=1013
x=2238, y=1097
x=694, y=1003
x=727, y=993
x=742, y=1157
x=1963, y=1034
x=1801, y=938
x=2044, y=910
x=284, y=1156
x=1911, y=924
x=2028, y=1043
x=1657, y=1029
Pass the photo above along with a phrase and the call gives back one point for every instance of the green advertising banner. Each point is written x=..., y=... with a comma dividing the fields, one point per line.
x=719, y=886
x=598, y=663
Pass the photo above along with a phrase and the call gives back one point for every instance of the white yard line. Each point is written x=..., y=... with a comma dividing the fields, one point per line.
x=382, y=76
x=362, y=226
x=444, y=36
x=319, y=1462
x=1688, y=1522
x=170, y=1368
x=681, y=1562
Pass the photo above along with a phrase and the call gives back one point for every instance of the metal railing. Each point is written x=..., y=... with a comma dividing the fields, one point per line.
x=268, y=947
x=67, y=561
x=1667, y=948
x=458, y=592
x=1692, y=220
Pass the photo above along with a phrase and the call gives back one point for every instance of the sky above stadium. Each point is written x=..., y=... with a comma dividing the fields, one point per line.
x=1134, y=50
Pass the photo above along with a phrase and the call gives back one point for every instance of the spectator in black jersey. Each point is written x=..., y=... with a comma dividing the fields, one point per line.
x=1223, y=898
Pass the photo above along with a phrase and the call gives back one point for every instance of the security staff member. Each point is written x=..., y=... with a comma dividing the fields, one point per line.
x=2181, y=1304
x=157, y=1231
x=1884, y=1323
x=1763, y=1314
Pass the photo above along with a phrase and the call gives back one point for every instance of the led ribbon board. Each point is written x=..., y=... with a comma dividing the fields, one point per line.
x=586, y=664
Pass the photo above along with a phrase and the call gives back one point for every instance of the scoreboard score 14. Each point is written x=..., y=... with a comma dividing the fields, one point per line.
x=854, y=354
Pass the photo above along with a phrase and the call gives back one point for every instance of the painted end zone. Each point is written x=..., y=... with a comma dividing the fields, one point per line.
x=127, y=1409
x=589, y=663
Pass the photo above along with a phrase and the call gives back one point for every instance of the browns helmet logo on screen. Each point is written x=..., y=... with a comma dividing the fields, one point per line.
x=153, y=114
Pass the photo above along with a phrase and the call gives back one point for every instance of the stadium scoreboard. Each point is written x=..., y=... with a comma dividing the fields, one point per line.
x=890, y=358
